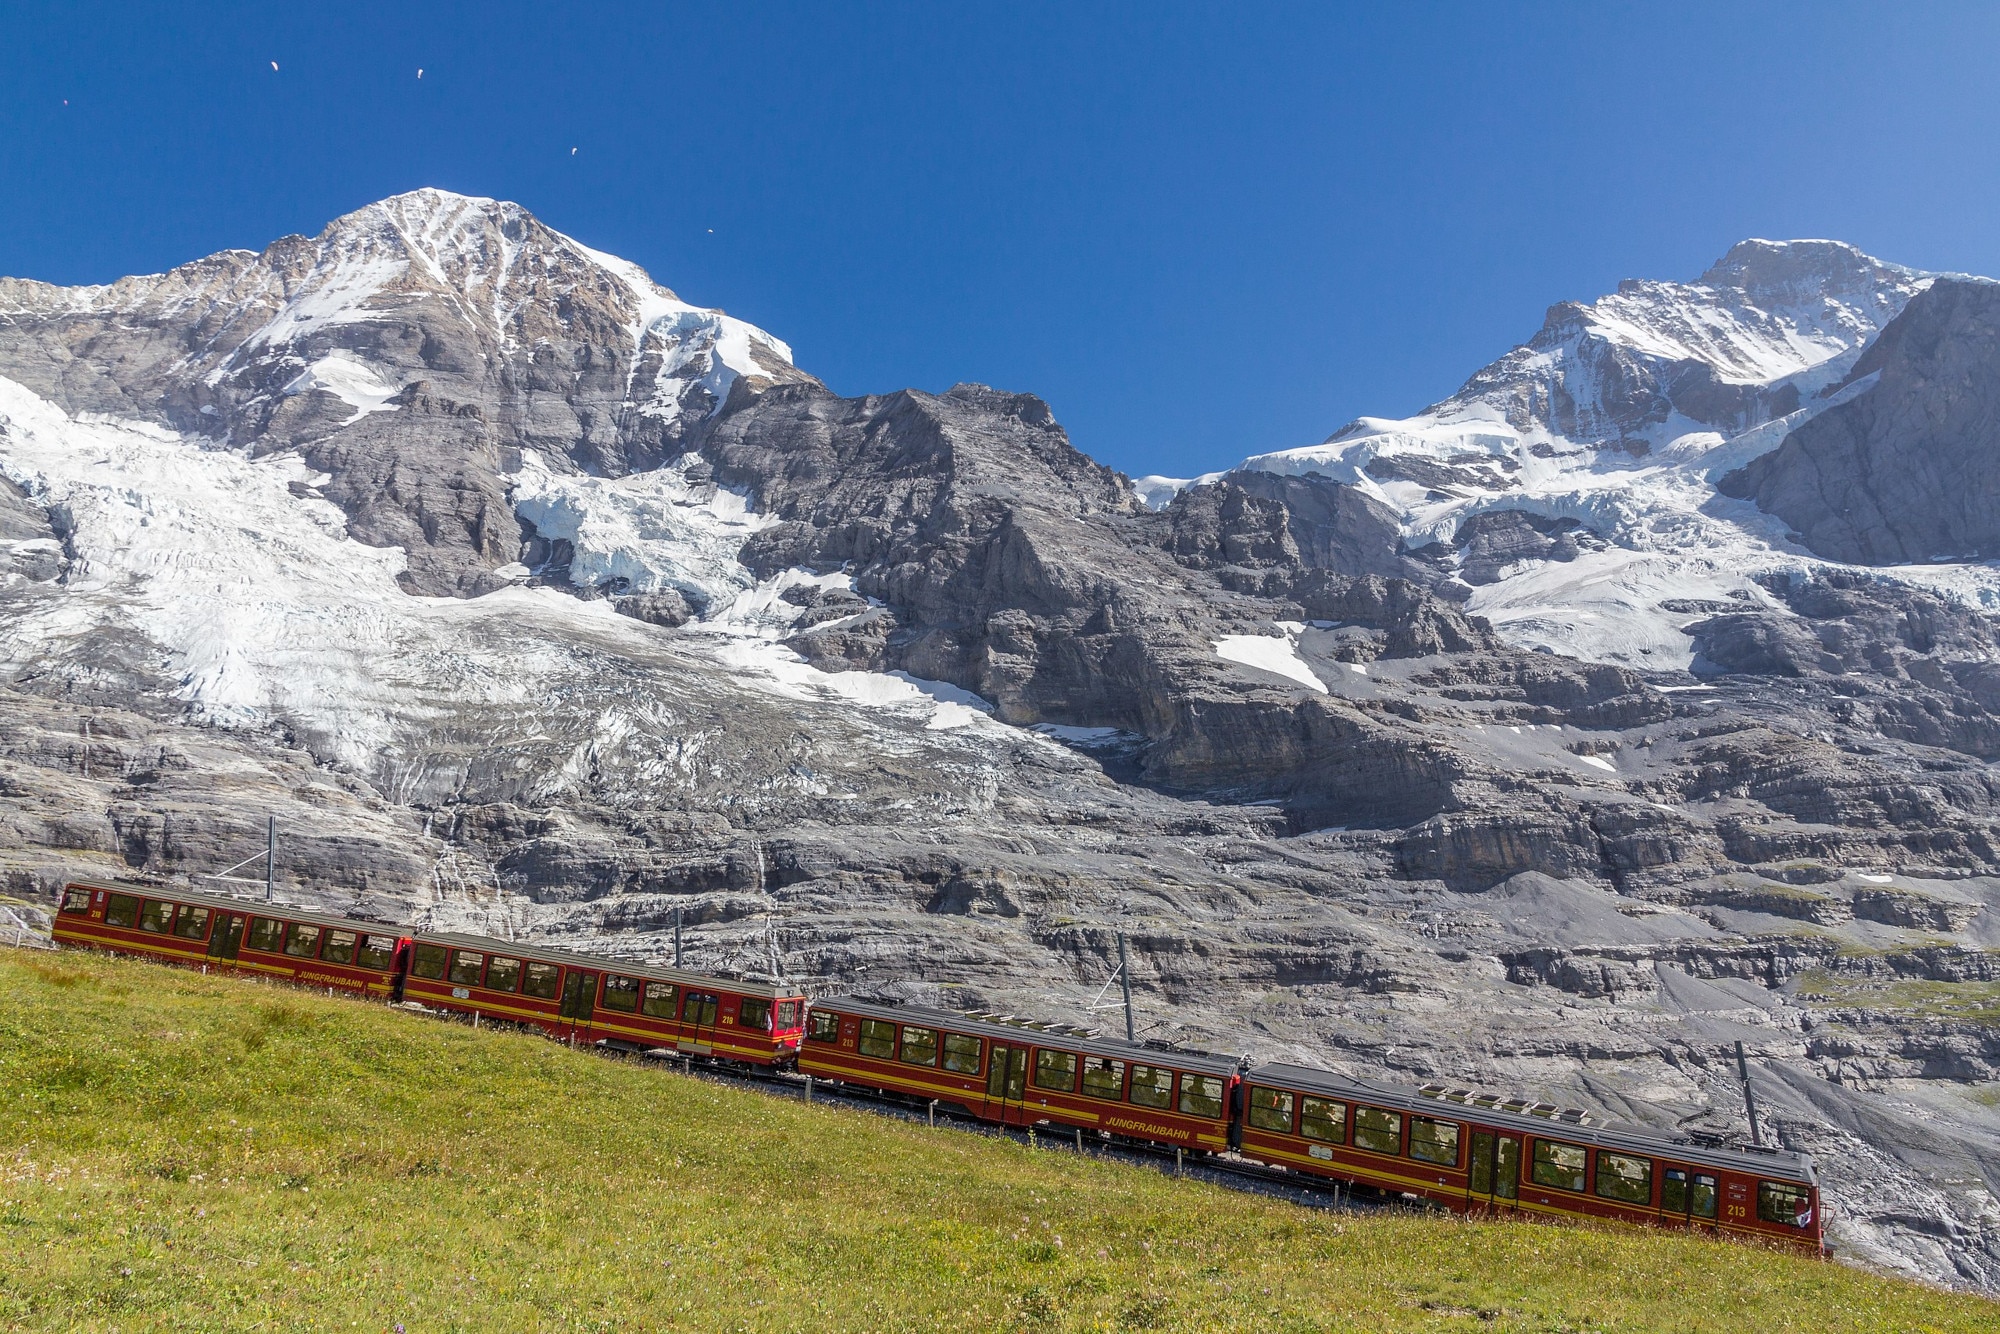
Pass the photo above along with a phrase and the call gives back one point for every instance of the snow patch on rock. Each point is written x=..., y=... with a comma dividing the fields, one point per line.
x=1278, y=655
x=348, y=380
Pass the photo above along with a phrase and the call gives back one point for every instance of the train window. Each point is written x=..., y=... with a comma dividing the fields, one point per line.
x=266, y=933
x=919, y=1046
x=1104, y=1078
x=339, y=947
x=1152, y=1086
x=1674, y=1191
x=1323, y=1119
x=878, y=1038
x=377, y=952
x=303, y=942
x=659, y=1000
x=961, y=1054
x=1559, y=1165
x=1201, y=1095
x=1271, y=1109
x=157, y=915
x=76, y=900
x=1055, y=1070
x=788, y=1016
x=1782, y=1202
x=1378, y=1131
x=428, y=961
x=1434, y=1141
x=121, y=910
x=543, y=981
x=754, y=1014
x=621, y=993
x=1620, y=1176
x=192, y=924
x=1701, y=1197
x=823, y=1026
x=466, y=966
x=503, y=974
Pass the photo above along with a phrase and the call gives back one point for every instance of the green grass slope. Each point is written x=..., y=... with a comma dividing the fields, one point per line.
x=186, y=1152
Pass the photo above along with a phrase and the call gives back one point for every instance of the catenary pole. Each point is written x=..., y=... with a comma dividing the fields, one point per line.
x=1125, y=985
x=1749, y=1096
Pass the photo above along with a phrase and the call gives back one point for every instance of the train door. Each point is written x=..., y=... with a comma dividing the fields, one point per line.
x=698, y=1018
x=579, y=1001
x=1493, y=1177
x=1687, y=1198
x=227, y=937
x=399, y=969
x=1007, y=1083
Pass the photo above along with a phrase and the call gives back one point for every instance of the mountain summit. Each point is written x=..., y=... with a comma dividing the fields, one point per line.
x=416, y=308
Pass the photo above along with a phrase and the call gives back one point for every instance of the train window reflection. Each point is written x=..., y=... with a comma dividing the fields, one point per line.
x=1201, y=1095
x=1620, y=1176
x=961, y=1054
x=1152, y=1086
x=1323, y=1119
x=1559, y=1165
x=1434, y=1141
x=1378, y=1131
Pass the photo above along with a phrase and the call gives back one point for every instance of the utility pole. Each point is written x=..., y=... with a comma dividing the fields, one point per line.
x=1749, y=1097
x=270, y=858
x=1125, y=985
x=677, y=937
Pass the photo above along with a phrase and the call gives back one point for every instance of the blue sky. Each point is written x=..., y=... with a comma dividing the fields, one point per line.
x=1198, y=231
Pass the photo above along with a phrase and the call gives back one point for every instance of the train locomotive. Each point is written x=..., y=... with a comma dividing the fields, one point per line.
x=1453, y=1148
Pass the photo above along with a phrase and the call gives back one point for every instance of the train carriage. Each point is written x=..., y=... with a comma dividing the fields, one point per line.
x=1493, y=1159
x=1024, y=1075
x=639, y=1008
x=273, y=940
x=1468, y=1153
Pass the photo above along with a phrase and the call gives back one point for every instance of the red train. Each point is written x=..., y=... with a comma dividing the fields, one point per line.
x=1465, y=1152
x=570, y=995
x=1470, y=1154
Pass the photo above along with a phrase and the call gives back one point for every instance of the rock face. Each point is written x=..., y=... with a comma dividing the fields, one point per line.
x=533, y=600
x=1907, y=471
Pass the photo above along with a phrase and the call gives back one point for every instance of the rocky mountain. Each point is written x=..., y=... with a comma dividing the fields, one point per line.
x=1905, y=470
x=1493, y=746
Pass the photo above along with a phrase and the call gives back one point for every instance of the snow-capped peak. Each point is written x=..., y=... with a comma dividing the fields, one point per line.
x=335, y=309
x=517, y=280
x=1618, y=416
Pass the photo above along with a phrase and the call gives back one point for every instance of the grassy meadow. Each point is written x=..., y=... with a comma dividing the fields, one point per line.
x=189, y=1152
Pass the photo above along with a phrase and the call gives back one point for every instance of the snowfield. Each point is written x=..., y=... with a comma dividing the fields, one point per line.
x=264, y=609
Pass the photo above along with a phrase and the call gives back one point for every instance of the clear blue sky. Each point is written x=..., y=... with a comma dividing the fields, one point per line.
x=1198, y=231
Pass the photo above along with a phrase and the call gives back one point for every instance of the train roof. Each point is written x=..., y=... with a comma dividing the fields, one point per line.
x=597, y=963
x=249, y=907
x=1005, y=1028
x=1783, y=1164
